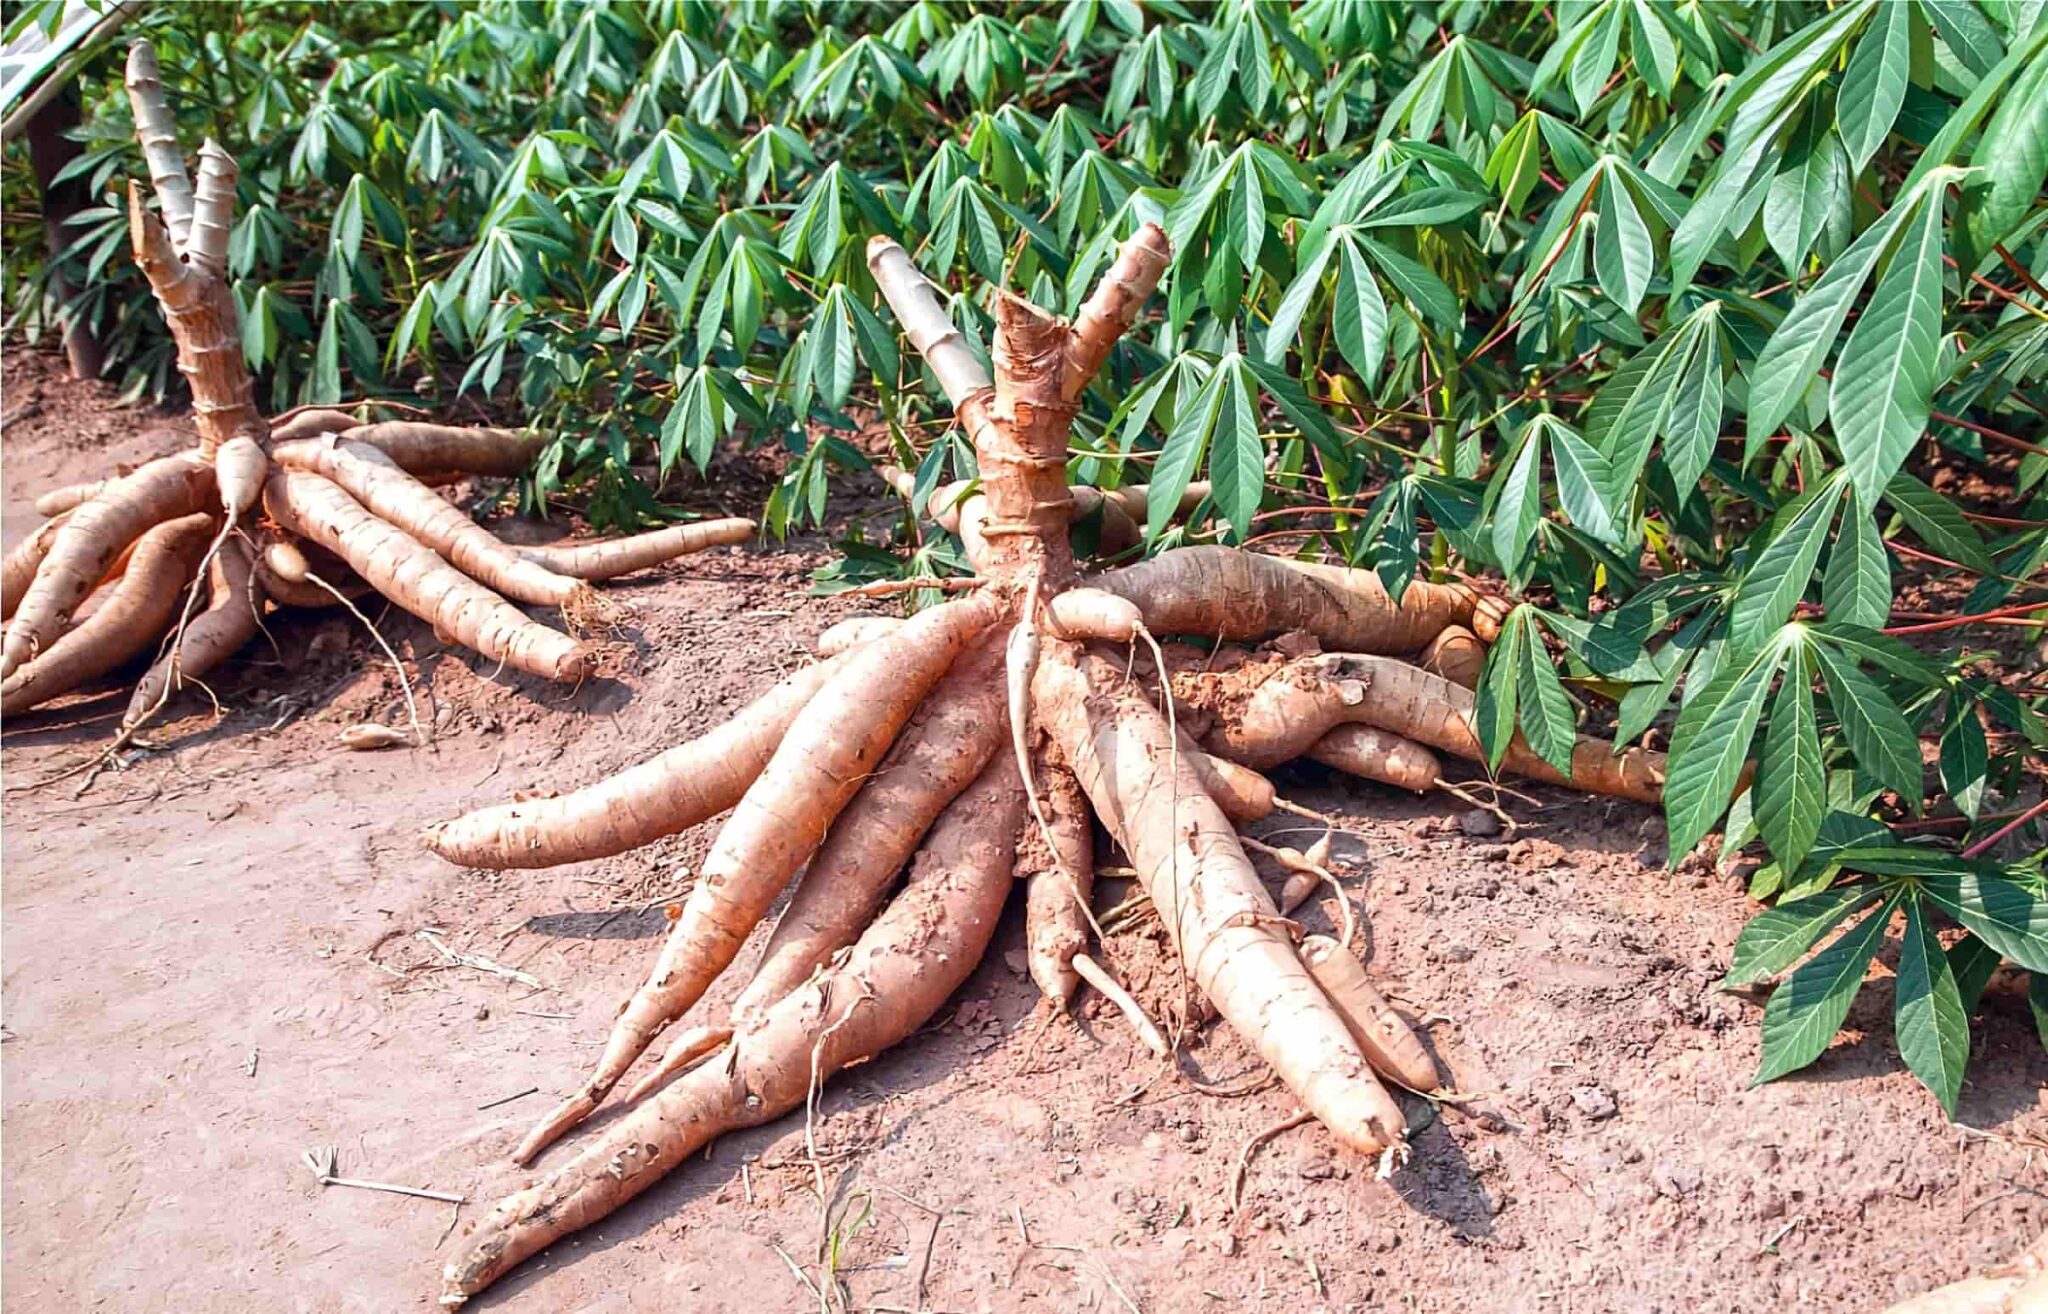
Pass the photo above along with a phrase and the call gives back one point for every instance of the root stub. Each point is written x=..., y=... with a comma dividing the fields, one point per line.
x=916, y=954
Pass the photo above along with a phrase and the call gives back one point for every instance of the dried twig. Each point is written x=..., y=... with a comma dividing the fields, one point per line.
x=530, y=1090
x=480, y=963
x=1251, y=1147
x=322, y=1159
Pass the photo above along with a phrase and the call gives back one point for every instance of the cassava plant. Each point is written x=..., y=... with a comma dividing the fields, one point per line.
x=256, y=506
x=979, y=742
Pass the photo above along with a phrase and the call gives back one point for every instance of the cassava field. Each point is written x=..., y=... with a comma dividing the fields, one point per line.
x=1124, y=655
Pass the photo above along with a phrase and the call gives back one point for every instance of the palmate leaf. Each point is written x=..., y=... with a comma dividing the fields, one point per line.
x=1791, y=361
x=1880, y=738
x=1708, y=748
x=1808, y=1009
x=1933, y=1030
x=1763, y=102
x=1857, y=588
x=1884, y=382
x=1778, y=579
x=1874, y=84
x=1791, y=783
x=1778, y=937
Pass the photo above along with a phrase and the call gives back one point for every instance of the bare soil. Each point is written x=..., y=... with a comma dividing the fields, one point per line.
x=216, y=959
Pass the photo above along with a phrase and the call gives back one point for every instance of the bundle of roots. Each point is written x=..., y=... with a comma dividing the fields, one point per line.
x=306, y=511
x=978, y=743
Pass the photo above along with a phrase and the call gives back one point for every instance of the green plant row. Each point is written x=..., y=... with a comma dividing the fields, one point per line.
x=1686, y=320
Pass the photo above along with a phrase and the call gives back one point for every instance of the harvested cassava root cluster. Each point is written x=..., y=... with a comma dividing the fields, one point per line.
x=980, y=742
x=304, y=511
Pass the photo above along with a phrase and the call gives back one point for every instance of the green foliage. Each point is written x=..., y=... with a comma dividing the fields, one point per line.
x=1670, y=314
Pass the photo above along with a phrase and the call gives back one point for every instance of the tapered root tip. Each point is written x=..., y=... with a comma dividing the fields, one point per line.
x=551, y=1128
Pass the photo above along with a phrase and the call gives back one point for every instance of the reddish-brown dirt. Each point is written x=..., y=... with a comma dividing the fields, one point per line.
x=216, y=959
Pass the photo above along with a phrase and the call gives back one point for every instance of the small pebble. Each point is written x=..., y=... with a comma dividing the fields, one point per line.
x=1594, y=1102
x=1479, y=823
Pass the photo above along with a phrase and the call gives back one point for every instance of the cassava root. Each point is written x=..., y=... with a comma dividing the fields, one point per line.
x=355, y=486
x=975, y=745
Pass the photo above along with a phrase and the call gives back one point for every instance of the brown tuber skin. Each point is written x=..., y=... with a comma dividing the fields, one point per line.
x=1039, y=650
x=914, y=955
x=1388, y=1042
x=402, y=537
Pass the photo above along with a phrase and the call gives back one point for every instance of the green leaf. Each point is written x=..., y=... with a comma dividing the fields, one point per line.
x=1548, y=722
x=2004, y=914
x=1857, y=588
x=1245, y=218
x=1791, y=361
x=2013, y=157
x=1423, y=289
x=1972, y=963
x=1182, y=454
x=1594, y=59
x=1708, y=747
x=1778, y=937
x=2037, y=1003
x=1287, y=316
x=1499, y=690
x=1884, y=382
x=1808, y=1009
x=1938, y=523
x=1777, y=581
x=1811, y=189
x=1584, y=479
x=1933, y=1030
x=1965, y=756
x=1791, y=783
x=1359, y=314
x=1694, y=424
x=1890, y=653
x=1874, y=85
x=325, y=383
x=1622, y=253
x=1879, y=736
x=1237, y=466
x=1519, y=505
